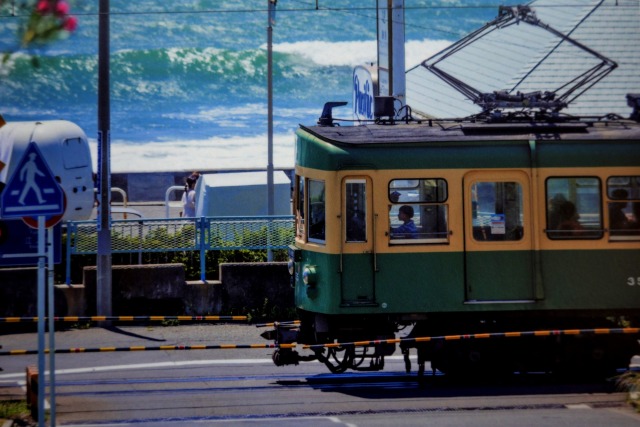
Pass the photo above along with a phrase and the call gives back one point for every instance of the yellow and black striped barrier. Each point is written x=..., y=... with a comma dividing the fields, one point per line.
x=78, y=350
x=126, y=319
x=542, y=333
x=281, y=323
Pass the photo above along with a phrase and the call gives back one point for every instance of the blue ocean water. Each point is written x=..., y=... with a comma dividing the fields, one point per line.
x=189, y=77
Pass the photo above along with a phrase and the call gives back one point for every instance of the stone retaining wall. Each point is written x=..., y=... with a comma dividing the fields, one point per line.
x=158, y=289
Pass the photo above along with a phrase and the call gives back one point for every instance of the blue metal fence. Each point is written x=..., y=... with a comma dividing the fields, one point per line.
x=182, y=234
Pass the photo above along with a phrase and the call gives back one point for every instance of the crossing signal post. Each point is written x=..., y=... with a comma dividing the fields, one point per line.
x=33, y=191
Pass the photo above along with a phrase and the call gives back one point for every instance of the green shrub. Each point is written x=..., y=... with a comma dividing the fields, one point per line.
x=630, y=382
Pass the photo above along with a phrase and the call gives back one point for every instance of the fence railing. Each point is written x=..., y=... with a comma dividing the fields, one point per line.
x=182, y=234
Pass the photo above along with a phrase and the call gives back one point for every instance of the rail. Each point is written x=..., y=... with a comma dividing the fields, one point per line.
x=168, y=202
x=182, y=234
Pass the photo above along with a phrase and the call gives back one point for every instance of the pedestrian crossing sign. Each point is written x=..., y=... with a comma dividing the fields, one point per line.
x=32, y=190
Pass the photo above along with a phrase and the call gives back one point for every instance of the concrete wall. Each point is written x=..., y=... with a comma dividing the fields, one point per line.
x=155, y=289
x=256, y=287
x=19, y=293
x=159, y=289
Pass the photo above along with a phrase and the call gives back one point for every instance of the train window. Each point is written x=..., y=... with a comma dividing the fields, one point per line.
x=497, y=211
x=316, y=211
x=418, y=190
x=573, y=208
x=299, y=206
x=624, y=207
x=356, y=210
x=418, y=213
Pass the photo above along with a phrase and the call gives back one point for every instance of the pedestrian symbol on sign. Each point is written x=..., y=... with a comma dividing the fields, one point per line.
x=32, y=190
x=28, y=175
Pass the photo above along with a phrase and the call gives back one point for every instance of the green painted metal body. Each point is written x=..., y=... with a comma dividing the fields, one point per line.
x=455, y=151
x=435, y=283
x=567, y=281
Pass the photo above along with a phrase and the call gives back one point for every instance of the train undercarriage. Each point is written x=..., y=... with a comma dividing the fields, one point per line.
x=461, y=344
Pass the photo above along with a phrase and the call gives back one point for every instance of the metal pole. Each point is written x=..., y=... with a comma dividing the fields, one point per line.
x=103, y=292
x=200, y=225
x=398, y=84
x=52, y=330
x=270, y=196
x=42, y=257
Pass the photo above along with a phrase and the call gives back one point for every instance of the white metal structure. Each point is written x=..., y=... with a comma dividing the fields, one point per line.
x=65, y=148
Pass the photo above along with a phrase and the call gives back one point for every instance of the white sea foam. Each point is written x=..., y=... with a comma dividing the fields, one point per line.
x=353, y=53
x=207, y=154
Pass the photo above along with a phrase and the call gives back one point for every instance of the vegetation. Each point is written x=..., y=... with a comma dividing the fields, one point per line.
x=190, y=260
x=17, y=411
x=41, y=22
x=150, y=246
x=630, y=382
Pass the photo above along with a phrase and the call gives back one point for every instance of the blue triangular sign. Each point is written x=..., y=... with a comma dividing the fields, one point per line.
x=32, y=190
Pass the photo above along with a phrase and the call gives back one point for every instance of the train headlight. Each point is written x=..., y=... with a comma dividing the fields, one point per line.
x=309, y=276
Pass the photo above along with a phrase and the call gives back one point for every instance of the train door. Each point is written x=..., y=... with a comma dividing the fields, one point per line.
x=357, y=260
x=498, y=238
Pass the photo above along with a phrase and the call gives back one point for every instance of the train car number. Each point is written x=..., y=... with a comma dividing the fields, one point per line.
x=633, y=281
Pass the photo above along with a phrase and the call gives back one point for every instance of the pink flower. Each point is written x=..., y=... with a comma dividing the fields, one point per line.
x=43, y=7
x=62, y=8
x=70, y=24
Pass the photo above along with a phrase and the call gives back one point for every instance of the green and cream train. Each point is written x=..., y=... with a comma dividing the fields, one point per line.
x=466, y=228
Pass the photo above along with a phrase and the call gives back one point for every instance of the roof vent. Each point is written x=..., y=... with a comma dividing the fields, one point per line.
x=326, y=119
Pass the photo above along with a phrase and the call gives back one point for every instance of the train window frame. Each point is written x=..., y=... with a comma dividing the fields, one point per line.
x=316, y=217
x=567, y=205
x=623, y=208
x=441, y=232
x=356, y=230
x=299, y=205
x=498, y=225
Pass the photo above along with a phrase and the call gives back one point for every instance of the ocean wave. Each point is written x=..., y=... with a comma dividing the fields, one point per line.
x=354, y=53
x=199, y=154
x=191, y=74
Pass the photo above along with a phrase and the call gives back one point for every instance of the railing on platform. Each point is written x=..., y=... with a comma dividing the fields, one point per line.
x=182, y=234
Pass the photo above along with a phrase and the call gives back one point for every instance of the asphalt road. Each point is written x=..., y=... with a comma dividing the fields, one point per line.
x=242, y=387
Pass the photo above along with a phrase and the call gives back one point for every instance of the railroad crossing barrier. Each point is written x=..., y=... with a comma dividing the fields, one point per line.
x=541, y=333
x=151, y=348
x=182, y=234
x=125, y=319
x=491, y=335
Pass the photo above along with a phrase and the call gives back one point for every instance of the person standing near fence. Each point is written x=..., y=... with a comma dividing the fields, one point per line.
x=189, y=196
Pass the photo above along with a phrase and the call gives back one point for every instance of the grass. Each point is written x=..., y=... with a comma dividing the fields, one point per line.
x=630, y=382
x=17, y=411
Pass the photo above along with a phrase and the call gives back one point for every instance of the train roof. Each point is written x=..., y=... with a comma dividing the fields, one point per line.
x=443, y=131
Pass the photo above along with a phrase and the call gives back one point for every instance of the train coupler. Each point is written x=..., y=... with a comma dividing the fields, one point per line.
x=287, y=356
x=285, y=334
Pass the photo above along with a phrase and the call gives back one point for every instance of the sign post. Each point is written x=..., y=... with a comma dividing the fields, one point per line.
x=32, y=190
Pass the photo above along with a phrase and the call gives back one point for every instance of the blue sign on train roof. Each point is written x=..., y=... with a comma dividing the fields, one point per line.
x=32, y=190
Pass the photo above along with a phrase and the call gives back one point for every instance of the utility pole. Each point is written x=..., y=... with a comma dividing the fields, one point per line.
x=103, y=270
x=270, y=190
x=391, y=39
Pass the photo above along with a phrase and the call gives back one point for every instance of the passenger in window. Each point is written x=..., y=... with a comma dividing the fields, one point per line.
x=617, y=218
x=555, y=211
x=569, y=218
x=395, y=196
x=408, y=229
